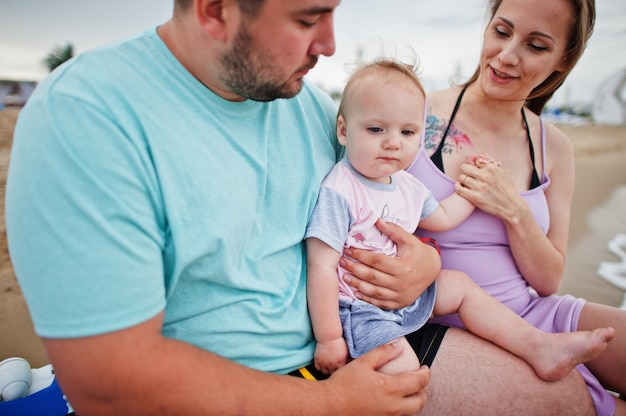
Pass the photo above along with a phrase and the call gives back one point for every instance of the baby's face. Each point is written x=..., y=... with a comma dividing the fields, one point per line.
x=382, y=128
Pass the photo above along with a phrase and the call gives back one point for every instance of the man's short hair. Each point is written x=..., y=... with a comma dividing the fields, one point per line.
x=250, y=8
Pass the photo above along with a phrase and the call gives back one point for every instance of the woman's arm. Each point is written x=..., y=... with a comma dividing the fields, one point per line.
x=540, y=257
x=392, y=282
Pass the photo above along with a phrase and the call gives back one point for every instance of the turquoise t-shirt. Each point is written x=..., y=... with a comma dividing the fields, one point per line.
x=134, y=189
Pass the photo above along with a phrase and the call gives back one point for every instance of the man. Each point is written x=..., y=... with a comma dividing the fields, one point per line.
x=158, y=194
x=176, y=189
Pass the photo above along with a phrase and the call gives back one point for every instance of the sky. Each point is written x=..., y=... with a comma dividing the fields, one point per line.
x=445, y=34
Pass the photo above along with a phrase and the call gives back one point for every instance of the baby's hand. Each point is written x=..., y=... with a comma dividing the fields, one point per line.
x=483, y=159
x=331, y=355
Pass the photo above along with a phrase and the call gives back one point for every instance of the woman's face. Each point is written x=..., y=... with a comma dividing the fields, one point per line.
x=523, y=44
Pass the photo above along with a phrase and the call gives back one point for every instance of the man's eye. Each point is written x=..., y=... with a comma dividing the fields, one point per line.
x=308, y=23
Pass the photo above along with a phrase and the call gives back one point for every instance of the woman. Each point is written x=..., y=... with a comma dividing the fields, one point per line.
x=515, y=245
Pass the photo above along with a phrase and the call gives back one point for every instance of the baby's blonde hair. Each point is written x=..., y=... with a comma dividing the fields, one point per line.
x=384, y=65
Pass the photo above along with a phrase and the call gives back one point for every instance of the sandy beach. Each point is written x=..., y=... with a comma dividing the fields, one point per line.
x=598, y=214
x=598, y=210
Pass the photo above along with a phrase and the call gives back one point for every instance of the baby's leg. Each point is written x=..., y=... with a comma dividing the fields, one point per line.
x=552, y=356
x=406, y=361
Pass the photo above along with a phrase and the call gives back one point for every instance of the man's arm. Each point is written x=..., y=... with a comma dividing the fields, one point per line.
x=393, y=282
x=138, y=371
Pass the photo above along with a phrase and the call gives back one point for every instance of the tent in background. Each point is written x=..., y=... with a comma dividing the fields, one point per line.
x=15, y=92
x=609, y=106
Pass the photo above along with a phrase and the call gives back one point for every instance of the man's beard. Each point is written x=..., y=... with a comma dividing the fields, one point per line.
x=244, y=69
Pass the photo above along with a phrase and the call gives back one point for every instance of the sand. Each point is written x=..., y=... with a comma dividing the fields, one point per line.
x=17, y=337
x=598, y=213
x=598, y=210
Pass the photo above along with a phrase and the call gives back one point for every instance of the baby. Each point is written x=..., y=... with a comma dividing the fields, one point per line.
x=380, y=122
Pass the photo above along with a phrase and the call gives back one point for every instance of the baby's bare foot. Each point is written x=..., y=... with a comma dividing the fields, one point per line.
x=564, y=351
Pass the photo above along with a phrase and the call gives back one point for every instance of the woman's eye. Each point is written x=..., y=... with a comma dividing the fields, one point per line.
x=500, y=31
x=538, y=48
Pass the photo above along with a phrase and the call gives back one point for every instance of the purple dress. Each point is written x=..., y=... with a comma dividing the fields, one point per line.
x=480, y=248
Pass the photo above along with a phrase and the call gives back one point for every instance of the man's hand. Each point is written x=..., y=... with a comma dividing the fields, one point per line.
x=374, y=393
x=392, y=282
x=138, y=371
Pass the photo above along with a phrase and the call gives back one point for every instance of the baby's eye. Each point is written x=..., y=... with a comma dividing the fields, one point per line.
x=408, y=132
x=374, y=129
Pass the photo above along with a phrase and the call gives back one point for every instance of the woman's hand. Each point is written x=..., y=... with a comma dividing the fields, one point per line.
x=539, y=257
x=367, y=391
x=392, y=282
x=488, y=185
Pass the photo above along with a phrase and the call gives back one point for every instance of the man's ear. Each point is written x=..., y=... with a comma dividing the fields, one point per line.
x=341, y=130
x=212, y=16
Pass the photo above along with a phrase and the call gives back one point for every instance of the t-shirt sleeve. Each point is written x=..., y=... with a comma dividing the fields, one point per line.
x=430, y=205
x=331, y=219
x=87, y=230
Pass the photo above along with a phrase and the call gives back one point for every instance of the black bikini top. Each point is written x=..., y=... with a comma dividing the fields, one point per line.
x=438, y=161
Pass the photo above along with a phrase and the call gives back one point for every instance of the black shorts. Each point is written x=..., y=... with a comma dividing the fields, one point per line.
x=425, y=343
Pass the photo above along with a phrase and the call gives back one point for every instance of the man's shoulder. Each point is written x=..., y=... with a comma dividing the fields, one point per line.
x=105, y=64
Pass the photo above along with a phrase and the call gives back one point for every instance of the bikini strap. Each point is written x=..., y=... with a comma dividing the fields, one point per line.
x=436, y=156
x=534, y=180
x=437, y=159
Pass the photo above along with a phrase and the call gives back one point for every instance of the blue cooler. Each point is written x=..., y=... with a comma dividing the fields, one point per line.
x=47, y=402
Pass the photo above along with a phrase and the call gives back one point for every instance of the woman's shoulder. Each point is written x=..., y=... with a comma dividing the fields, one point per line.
x=442, y=100
x=559, y=147
x=556, y=138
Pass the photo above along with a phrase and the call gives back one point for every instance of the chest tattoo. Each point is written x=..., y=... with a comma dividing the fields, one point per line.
x=456, y=140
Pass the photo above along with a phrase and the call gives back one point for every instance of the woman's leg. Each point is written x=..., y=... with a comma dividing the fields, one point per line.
x=471, y=376
x=610, y=366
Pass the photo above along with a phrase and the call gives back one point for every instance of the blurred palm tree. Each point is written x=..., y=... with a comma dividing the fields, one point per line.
x=58, y=55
